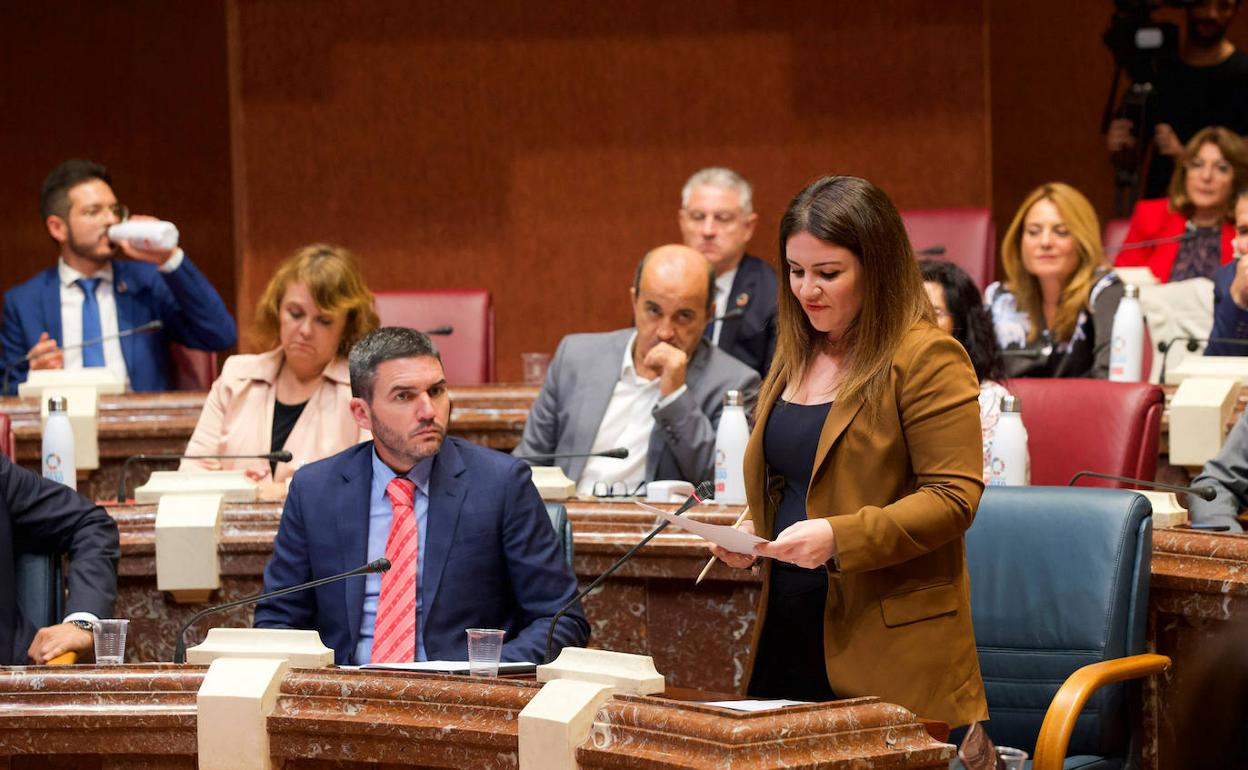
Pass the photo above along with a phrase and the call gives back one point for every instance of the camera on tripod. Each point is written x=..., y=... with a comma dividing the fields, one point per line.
x=1139, y=46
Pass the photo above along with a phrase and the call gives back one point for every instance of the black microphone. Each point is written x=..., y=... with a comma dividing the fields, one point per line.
x=619, y=453
x=150, y=326
x=932, y=251
x=736, y=312
x=179, y=649
x=704, y=491
x=280, y=457
x=1205, y=493
x=1193, y=344
x=1025, y=353
x=439, y=331
x=1184, y=236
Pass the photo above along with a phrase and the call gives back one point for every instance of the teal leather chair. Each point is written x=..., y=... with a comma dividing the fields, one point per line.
x=1059, y=599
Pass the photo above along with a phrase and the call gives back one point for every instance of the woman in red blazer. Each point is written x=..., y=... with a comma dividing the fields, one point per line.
x=1214, y=164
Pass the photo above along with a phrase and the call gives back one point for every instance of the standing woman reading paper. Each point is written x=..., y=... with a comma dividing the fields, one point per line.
x=864, y=471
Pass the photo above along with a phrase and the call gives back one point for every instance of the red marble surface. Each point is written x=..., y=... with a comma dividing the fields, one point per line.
x=144, y=717
x=1199, y=583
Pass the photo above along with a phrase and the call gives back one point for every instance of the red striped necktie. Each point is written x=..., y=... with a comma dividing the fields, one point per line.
x=394, y=632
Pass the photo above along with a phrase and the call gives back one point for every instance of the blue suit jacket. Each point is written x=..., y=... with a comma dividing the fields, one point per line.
x=1230, y=321
x=37, y=515
x=751, y=338
x=491, y=556
x=184, y=300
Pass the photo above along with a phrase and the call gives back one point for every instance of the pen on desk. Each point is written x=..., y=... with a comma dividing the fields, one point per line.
x=711, y=562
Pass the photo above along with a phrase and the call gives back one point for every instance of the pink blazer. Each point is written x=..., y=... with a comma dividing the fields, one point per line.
x=238, y=417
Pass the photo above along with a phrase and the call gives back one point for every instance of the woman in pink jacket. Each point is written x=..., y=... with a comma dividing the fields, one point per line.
x=297, y=395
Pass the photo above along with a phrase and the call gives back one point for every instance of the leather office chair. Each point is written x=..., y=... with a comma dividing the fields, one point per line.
x=1089, y=425
x=468, y=352
x=192, y=369
x=1114, y=235
x=563, y=529
x=967, y=236
x=1059, y=596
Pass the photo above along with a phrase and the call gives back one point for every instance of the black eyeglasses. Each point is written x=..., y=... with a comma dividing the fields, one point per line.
x=617, y=489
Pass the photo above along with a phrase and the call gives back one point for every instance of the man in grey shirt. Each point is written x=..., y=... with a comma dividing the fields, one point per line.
x=1227, y=473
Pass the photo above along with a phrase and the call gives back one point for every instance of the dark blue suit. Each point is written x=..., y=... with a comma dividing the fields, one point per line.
x=37, y=515
x=1230, y=321
x=184, y=300
x=751, y=338
x=491, y=556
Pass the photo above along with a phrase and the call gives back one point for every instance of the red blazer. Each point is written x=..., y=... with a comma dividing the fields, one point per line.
x=1152, y=220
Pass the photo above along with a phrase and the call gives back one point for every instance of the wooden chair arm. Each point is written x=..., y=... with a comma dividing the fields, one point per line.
x=1059, y=720
x=64, y=659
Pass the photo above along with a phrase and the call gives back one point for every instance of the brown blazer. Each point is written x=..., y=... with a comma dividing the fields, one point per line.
x=238, y=417
x=901, y=487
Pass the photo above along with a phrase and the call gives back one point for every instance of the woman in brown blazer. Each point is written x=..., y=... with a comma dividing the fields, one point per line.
x=297, y=395
x=864, y=470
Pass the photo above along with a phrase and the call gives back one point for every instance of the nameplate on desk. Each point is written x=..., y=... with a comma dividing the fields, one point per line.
x=451, y=667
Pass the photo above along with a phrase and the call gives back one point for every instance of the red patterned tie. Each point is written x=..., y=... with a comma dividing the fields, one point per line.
x=394, y=632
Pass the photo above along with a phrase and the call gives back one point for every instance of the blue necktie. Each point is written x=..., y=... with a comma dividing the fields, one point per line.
x=92, y=355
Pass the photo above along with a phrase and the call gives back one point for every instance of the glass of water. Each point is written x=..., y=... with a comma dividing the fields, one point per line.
x=110, y=640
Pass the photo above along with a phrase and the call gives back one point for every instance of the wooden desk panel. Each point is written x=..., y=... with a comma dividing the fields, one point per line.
x=490, y=415
x=144, y=716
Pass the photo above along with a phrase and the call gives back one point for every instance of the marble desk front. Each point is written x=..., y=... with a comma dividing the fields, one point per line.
x=110, y=718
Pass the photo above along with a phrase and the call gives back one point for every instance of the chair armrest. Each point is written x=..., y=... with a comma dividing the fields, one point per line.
x=64, y=659
x=1059, y=720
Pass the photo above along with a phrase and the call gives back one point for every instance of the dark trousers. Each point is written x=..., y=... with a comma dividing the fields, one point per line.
x=790, y=662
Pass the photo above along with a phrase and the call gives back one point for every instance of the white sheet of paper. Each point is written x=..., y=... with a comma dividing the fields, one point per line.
x=726, y=537
x=451, y=667
x=754, y=705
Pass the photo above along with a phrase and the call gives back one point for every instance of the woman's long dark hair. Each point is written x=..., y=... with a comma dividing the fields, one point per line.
x=972, y=323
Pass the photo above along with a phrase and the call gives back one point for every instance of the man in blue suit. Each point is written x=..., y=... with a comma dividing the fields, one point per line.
x=485, y=554
x=717, y=218
x=1230, y=292
x=90, y=293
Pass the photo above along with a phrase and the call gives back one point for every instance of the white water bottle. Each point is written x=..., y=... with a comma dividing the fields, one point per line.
x=58, y=445
x=1126, y=348
x=730, y=440
x=1010, y=464
x=145, y=233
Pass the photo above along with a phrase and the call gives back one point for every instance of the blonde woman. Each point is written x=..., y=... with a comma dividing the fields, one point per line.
x=1054, y=312
x=296, y=396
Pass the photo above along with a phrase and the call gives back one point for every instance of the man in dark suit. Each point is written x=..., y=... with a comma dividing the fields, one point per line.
x=469, y=540
x=40, y=515
x=91, y=293
x=717, y=218
x=1230, y=291
x=656, y=389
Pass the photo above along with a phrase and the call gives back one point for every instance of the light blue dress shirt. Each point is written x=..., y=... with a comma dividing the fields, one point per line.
x=380, y=511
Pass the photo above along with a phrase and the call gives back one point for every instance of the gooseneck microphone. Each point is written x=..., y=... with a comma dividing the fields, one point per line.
x=931, y=251
x=735, y=312
x=146, y=328
x=619, y=453
x=179, y=649
x=1204, y=493
x=1184, y=236
x=1193, y=344
x=702, y=493
x=439, y=331
x=274, y=457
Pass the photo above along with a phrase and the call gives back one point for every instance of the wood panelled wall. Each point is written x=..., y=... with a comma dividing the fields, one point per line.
x=535, y=149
